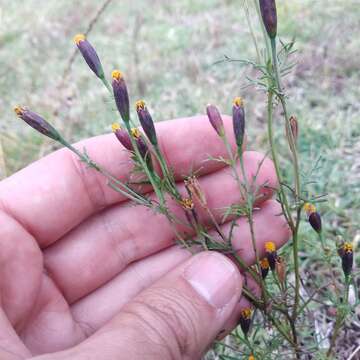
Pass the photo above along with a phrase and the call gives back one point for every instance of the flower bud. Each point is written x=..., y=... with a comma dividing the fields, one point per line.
x=121, y=95
x=271, y=255
x=264, y=265
x=245, y=320
x=123, y=136
x=347, y=257
x=142, y=147
x=313, y=217
x=37, y=122
x=215, y=119
x=238, y=115
x=269, y=17
x=146, y=121
x=89, y=54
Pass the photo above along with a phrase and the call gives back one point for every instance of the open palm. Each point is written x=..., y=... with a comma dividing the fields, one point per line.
x=81, y=268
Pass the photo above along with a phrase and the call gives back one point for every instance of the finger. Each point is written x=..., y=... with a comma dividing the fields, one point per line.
x=244, y=303
x=20, y=276
x=178, y=317
x=56, y=193
x=111, y=240
x=142, y=274
x=95, y=310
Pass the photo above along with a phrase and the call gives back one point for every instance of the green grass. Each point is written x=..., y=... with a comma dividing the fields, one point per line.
x=167, y=52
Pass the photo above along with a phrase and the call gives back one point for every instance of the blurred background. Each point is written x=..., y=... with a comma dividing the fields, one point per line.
x=167, y=51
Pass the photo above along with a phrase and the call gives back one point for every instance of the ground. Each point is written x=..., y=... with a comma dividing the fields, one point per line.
x=167, y=51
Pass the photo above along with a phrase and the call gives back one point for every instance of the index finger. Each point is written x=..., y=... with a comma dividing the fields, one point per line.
x=56, y=193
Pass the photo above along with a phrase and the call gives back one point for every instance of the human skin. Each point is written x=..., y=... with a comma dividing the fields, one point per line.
x=84, y=274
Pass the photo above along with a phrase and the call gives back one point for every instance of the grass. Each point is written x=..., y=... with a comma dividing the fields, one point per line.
x=167, y=52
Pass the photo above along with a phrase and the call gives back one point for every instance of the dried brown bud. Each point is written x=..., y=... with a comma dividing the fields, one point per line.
x=215, y=119
x=193, y=187
x=269, y=16
x=294, y=126
x=280, y=268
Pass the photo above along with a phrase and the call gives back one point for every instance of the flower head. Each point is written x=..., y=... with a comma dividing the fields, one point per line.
x=313, y=217
x=346, y=253
x=238, y=116
x=215, y=119
x=135, y=133
x=264, y=266
x=37, y=122
x=245, y=320
x=251, y=357
x=271, y=255
x=270, y=246
x=123, y=136
x=269, y=16
x=146, y=121
x=89, y=54
x=121, y=95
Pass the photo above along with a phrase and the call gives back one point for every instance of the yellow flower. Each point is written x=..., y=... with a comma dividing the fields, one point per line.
x=115, y=126
x=117, y=74
x=246, y=313
x=135, y=132
x=238, y=101
x=270, y=247
x=78, y=38
x=309, y=208
x=140, y=105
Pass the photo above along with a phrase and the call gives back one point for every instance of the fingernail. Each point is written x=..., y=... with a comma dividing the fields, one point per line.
x=214, y=277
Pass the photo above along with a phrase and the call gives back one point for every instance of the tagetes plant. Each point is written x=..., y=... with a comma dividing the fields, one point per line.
x=275, y=292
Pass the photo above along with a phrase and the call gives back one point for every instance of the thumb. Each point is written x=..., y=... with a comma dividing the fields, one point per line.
x=176, y=318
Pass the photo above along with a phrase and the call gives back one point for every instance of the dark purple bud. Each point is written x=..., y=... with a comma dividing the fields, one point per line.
x=347, y=257
x=264, y=265
x=271, y=254
x=315, y=221
x=123, y=136
x=215, y=119
x=142, y=146
x=238, y=121
x=269, y=17
x=245, y=320
x=121, y=95
x=146, y=121
x=37, y=122
x=89, y=54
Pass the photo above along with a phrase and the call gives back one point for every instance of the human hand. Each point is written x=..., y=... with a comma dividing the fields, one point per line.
x=84, y=274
